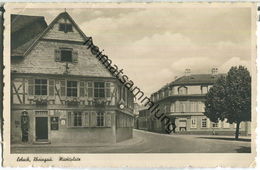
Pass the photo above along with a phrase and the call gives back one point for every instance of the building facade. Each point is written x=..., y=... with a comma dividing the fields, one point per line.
x=183, y=102
x=61, y=93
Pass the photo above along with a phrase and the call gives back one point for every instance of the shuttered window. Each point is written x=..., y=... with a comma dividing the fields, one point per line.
x=65, y=27
x=99, y=89
x=90, y=89
x=40, y=87
x=63, y=88
x=72, y=90
x=108, y=92
x=89, y=119
x=66, y=55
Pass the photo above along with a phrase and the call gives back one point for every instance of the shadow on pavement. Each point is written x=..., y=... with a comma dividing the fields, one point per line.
x=227, y=138
x=244, y=149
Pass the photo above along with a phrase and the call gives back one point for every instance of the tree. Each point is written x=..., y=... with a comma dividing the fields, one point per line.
x=230, y=98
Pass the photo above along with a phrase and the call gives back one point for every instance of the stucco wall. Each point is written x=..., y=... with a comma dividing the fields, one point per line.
x=64, y=134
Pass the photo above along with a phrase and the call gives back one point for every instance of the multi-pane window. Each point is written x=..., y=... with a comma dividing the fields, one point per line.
x=65, y=27
x=214, y=125
x=77, y=119
x=66, y=55
x=99, y=89
x=100, y=119
x=204, y=123
x=40, y=86
x=72, y=89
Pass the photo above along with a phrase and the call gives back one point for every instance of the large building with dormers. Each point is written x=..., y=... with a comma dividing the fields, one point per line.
x=61, y=93
x=182, y=101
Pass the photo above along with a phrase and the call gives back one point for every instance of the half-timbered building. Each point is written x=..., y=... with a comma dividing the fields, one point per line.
x=61, y=93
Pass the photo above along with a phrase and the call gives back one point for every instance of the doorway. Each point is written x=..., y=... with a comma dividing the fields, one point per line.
x=41, y=128
x=183, y=125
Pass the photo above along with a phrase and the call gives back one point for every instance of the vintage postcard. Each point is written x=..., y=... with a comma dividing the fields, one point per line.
x=129, y=84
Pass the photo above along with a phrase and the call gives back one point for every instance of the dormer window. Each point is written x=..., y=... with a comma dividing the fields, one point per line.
x=183, y=90
x=65, y=27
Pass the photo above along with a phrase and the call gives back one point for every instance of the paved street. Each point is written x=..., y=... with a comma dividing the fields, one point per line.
x=148, y=142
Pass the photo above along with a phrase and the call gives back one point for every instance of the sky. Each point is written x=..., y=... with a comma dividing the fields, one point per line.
x=154, y=45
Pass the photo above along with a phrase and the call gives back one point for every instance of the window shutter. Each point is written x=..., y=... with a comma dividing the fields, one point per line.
x=108, y=119
x=81, y=89
x=90, y=89
x=93, y=119
x=70, y=119
x=31, y=87
x=51, y=87
x=107, y=87
x=87, y=119
x=74, y=56
x=62, y=88
x=57, y=55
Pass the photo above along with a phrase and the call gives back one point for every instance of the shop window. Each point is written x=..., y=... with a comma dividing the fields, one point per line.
x=99, y=89
x=79, y=119
x=204, y=123
x=65, y=27
x=100, y=119
x=40, y=86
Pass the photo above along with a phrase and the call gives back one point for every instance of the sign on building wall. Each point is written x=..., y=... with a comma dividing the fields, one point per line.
x=54, y=123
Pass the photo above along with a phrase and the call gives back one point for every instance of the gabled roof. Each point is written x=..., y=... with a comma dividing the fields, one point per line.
x=24, y=29
x=30, y=29
x=61, y=15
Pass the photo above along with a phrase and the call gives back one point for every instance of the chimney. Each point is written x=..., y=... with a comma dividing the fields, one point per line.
x=214, y=71
x=187, y=72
